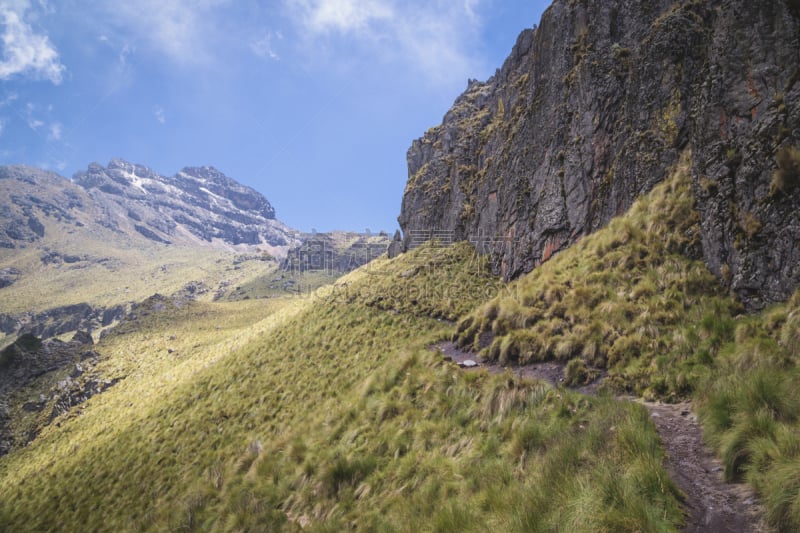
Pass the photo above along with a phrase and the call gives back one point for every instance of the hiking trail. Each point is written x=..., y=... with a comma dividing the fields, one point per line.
x=711, y=505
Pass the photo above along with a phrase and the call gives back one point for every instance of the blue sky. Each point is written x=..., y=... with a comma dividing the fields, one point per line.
x=311, y=102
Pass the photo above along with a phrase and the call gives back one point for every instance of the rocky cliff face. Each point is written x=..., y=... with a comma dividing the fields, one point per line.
x=594, y=106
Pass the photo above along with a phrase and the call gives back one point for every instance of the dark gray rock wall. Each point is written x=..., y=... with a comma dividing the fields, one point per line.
x=592, y=109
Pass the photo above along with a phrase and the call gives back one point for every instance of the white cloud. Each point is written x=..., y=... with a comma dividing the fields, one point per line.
x=122, y=58
x=264, y=47
x=2, y=125
x=158, y=112
x=36, y=117
x=469, y=8
x=431, y=37
x=178, y=28
x=343, y=15
x=24, y=50
x=44, y=6
x=119, y=73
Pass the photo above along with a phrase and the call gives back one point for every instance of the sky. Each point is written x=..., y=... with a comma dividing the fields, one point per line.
x=313, y=103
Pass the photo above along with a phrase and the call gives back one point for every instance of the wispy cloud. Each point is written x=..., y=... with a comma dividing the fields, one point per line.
x=178, y=28
x=342, y=15
x=264, y=47
x=432, y=37
x=34, y=123
x=26, y=52
x=56, y=129
x=8, y=99
x=39, y=119
x=118, y=73
x=127, y=49
x=158, y=112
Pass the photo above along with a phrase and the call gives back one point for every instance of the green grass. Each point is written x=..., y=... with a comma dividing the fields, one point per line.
x=331, y=412
x=750, y=410
x=276, y=283
x=628, y=298
x=326, y=409
x=435, y=281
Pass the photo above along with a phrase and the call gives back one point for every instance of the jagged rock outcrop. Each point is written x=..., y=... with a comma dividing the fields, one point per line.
x=22, y=212
x=26, y=365
x=60, y=320
x=8, y=276
x=29, y=357
x=591, y=110
x=47, y=377
x=396, y=246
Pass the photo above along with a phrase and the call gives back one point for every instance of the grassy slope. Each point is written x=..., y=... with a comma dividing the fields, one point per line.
x=750, y=409
x=626, y=298
x=629, y=300
x=331, y=412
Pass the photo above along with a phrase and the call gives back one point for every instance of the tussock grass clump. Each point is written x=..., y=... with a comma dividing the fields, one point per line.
x=751, y=411
x=576, y=373
x=787, y=176
x=790, y=335
x=331, y=414
x=630, y=298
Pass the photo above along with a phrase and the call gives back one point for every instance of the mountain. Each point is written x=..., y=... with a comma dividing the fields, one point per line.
x=199, y=205
x=115, y=235
x=596, y=153
x=591, y=110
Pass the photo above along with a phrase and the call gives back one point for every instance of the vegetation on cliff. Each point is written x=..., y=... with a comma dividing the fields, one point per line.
x=629, y=299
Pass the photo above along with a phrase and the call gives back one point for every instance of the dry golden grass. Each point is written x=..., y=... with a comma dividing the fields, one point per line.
x=330, y=411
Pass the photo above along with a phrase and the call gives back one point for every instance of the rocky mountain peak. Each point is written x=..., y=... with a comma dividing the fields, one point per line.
x=209, y=174
x=210, y=181
x=198, y=205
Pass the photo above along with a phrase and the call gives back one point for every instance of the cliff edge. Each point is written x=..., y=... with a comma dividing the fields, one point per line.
x=593, y=108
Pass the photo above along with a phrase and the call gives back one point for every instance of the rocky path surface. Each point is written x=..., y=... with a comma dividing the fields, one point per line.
x=711, y=504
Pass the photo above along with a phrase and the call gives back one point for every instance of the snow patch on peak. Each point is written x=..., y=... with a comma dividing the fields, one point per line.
x=136, y=181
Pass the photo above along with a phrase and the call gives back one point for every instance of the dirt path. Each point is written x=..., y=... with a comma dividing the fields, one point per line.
x=551, y=371
x=711, y=504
